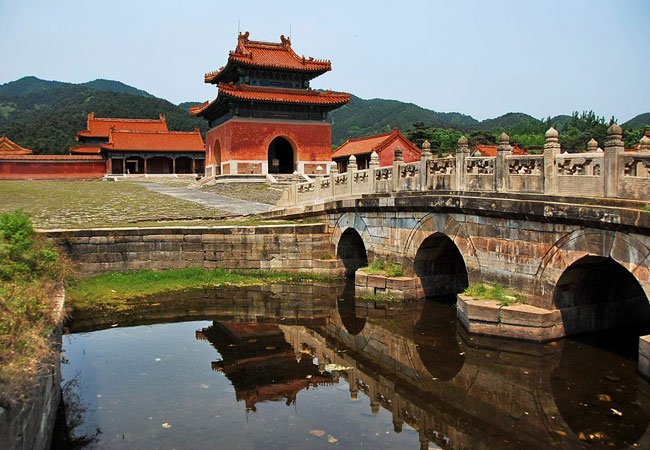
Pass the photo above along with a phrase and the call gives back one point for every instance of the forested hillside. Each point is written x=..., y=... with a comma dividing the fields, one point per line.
x=46, y=116
x=364, y=117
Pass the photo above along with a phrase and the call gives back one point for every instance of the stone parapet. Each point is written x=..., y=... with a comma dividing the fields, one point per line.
x=517, y=321
x=612, y=173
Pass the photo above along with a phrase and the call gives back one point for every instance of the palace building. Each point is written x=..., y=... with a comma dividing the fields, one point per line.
x=141, y=146
x=384, y=144
x=266, y=119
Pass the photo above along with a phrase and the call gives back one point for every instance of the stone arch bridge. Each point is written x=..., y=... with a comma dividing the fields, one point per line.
x=576, y=242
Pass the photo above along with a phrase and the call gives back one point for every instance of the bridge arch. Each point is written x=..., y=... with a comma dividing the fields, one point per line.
x=352, y=241
x=598, y=279
x=437, y=235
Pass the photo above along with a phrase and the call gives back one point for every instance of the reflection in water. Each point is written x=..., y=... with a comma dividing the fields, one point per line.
x=70, y=415
x=260, y=363
x=315, y=367
x=598, y=392
x=438, y=344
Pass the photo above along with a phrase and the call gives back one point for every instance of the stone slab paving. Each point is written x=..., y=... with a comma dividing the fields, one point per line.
x=220, y=202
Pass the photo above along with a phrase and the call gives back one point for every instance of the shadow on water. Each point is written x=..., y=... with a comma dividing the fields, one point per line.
x=435, y=335
x=412, y=360
x=347, y=309
x=70, y=416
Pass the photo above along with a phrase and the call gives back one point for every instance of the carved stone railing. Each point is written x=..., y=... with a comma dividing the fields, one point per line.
x=409, y=176
x=306, y=192
x=525, y=173
x=580, y=174
x=361, y=181
x=383, y=179
x=341, y=184
x=479, y=173
x=611, y=172
x=634, y=175
x=441, y=174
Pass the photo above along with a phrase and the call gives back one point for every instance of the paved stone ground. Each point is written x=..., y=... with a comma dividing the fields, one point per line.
x=227, y=204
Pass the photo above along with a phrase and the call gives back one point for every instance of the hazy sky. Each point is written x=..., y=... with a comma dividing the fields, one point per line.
x=482, y=58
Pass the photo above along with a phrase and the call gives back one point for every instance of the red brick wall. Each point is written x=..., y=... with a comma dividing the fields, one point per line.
x=311, y=168
x=387, y=154
x=248, y=168
x=249, y=140
x=52, y=169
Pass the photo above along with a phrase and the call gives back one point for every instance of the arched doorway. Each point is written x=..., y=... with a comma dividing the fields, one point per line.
x=440, y=266
x=597, y=293
x=281, y=156
x=352, y=251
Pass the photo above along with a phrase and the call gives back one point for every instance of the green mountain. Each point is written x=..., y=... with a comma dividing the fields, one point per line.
x=46, y=115
x=640, y=121
x=507, y=121
x=364, y=117
x=27, y=85
x=115, y=86
x=30, y=85
x=186, y=105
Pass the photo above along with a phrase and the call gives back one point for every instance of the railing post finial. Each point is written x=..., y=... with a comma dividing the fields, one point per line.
x=644, y=145
x=426, y=150
x=334, y=168
x=592, y=145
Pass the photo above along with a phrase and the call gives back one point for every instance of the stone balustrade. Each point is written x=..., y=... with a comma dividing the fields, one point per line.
x=612, y=172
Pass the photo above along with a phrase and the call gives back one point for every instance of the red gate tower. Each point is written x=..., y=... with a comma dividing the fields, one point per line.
x=266, y=119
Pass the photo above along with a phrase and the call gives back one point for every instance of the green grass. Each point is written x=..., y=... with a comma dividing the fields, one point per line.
x=381, y=267
x=113, y=290
x=645, y=208
x=504, y=296
x=98, y=204
x=30, y=269
x=378, y=298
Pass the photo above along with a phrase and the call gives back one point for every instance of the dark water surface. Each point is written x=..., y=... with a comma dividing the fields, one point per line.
x=307, y=367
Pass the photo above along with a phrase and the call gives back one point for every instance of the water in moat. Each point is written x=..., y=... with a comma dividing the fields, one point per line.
x=309, y=367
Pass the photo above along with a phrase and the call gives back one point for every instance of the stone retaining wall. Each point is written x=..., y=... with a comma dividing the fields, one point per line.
x=28, y=425
x=269, y=247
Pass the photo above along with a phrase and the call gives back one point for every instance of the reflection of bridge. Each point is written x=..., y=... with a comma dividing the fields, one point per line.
x=410, y=359
x=474, y=393
x=570, y=230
